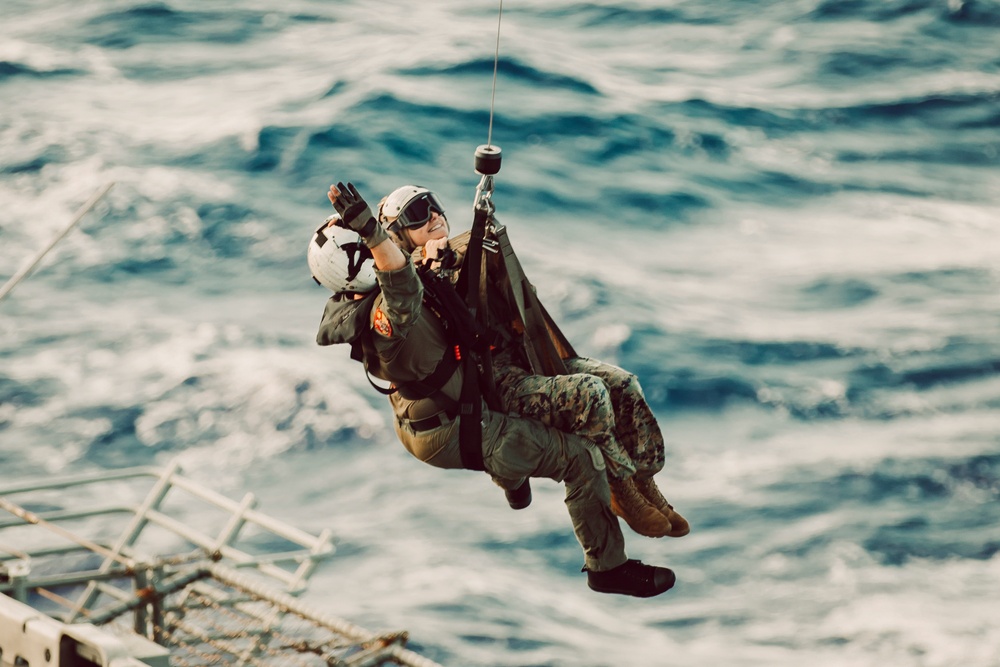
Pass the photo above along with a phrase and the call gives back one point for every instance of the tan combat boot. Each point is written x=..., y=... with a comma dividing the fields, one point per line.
x=641, y=515
x=680, y=526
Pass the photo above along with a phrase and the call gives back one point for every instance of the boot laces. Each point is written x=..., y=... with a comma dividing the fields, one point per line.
x=629, y=494
x=650, y=490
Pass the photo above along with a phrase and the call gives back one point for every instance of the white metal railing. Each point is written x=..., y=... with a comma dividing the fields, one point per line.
x=221, y=545
x=221, y=599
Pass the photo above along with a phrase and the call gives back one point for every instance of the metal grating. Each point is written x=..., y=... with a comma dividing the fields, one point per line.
x=220, y=589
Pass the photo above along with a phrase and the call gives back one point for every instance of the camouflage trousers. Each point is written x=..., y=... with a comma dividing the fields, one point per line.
x=598, y=401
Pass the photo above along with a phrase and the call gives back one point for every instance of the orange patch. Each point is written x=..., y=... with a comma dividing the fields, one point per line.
x=382, y=324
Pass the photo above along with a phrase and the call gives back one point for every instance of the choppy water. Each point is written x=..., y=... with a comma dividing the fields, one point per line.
x=782, y=215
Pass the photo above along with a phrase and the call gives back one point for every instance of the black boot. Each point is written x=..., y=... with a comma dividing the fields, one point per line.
x=520, y=497
x=632, y=578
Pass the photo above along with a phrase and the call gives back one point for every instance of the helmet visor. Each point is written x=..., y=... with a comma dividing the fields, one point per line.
x=418, y=212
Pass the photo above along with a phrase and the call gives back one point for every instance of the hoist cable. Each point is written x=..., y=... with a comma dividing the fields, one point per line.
x=496, y=61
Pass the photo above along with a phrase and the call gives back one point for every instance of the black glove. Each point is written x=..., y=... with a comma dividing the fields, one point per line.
x=355, y=212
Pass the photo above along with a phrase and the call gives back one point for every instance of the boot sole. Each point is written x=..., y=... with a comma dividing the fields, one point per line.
x=624, y=591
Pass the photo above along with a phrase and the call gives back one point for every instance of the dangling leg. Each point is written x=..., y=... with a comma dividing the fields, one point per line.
x=637, y=431
x=515, y=447
x=580, y=404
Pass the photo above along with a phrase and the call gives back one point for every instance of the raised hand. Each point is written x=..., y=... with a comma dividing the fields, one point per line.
x=353, y=209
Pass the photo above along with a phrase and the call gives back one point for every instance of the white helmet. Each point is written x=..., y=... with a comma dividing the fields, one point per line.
x=406, y=207
x=339, y=259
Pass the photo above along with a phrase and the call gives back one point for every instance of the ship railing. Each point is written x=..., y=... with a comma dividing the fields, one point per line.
x=224, y=593
x=307, y=550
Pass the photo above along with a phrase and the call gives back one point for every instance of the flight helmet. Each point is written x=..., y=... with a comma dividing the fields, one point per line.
x=339, y=260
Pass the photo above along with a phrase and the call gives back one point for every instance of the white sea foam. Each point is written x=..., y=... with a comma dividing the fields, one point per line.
x=806, y=280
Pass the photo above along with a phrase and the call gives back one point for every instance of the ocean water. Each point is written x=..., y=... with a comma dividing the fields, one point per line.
x=783, y=216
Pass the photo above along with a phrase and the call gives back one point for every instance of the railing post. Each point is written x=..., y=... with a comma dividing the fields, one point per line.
x=19, y=571
x=141, y=585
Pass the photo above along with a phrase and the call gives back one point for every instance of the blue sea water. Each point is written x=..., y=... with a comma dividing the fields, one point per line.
x=783, y=216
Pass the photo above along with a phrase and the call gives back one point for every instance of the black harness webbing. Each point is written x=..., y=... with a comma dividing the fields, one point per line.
x=472, y=342
x=470, y=427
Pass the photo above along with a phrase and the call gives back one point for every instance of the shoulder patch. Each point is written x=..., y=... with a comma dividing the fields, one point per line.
x=381, y=323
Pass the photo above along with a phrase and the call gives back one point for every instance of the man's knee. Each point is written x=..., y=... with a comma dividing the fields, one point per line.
x=585, y=395
x=593, y=386
x=615, y=377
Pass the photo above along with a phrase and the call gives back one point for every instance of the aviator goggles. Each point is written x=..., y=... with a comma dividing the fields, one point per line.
x=418, y=212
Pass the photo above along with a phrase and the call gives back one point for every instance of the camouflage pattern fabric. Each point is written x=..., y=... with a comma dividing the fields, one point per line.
x=598, y=401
